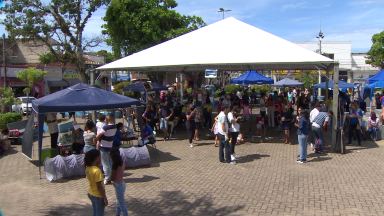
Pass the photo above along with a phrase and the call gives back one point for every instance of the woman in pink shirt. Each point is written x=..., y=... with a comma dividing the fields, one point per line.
x=118, y=167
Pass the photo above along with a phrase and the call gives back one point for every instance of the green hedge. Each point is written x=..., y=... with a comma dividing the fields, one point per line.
x=217, y=94
x=7, y=118
x=232, y=88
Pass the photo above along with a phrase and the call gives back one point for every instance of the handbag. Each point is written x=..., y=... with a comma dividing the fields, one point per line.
x=358, y=126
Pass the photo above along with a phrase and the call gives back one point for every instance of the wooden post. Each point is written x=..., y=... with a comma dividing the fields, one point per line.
x=335, y=104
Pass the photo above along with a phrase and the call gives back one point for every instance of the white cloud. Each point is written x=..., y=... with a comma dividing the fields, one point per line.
x=295, y=5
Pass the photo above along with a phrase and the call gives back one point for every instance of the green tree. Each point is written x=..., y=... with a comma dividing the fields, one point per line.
x=30, y=75
x=376, y=53
x=7, y=99
x=134, y=25
x=119, y=90
x=64, y=20
x=309, y=81
x=109, y=57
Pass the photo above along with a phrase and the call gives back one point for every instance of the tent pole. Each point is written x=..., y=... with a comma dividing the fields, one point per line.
x=140, y=120
x=181, y=89
x=40, y=138
x=326, y=84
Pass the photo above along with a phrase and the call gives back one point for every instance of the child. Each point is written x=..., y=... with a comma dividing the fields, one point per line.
x=96, y=192
x=247, y=111
x=118, y=166
x=119, y=135
x=99, y=127
x=259, y=126
x=197, y=122
x=240, y=139
x=215, y=130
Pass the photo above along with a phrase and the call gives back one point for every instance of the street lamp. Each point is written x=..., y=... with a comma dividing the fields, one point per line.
x=221, y=10
x=320, y=37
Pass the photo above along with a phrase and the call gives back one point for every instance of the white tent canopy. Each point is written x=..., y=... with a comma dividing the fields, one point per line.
x=225, y=45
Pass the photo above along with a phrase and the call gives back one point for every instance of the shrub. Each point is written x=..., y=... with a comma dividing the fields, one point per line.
x=261, y=89
x=7, y=118
x=189, y=90
x=232, y=88
x=217, y=93
x=119, y=90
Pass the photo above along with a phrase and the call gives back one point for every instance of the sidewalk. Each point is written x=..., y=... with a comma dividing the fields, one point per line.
x=191, y=181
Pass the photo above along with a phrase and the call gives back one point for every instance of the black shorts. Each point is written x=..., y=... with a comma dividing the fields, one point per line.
x=262, y=113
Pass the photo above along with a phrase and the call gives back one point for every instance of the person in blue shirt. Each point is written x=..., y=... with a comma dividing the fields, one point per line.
x=118, y=135
x=275, y=97
x=147, y=135
x=354, y=117
x=303, y=134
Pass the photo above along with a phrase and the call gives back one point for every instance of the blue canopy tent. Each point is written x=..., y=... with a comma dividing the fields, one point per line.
x=140, y=87
x=79, y=97
x=287, y=82
x=342, y=85
x=252, y=77
x=369, y=89
x=375, y=78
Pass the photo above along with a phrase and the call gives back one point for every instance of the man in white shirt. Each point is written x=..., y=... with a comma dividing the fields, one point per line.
x=234, y=130
x=223, y=136
x=312, y=116
x=294, y=96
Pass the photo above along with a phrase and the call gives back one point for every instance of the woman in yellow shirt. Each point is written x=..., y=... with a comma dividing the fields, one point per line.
x=329, y=103
x=96, y=192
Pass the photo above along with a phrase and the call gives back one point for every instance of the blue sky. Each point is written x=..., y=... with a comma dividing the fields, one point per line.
x=295, y=20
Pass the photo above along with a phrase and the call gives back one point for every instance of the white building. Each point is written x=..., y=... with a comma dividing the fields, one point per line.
x=353, y=68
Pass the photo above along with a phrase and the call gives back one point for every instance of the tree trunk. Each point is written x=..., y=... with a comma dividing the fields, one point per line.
x=82, y=75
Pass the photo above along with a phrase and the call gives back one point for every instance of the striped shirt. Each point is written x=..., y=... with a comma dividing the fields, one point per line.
x=320, y=119
x=108, y=132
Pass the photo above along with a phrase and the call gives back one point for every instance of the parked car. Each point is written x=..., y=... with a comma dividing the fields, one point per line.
x=22, y=107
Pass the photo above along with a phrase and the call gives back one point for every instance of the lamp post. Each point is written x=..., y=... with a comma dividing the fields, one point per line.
x=222, y=10
x=320, y=37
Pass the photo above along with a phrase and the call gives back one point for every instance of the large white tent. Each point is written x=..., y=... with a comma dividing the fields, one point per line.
x=225, y=45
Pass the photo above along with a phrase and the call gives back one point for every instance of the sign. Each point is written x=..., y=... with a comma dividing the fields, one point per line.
x=147, y=86
x=12, y=71
x=210, y=73
x=295, y=72
x=259, y=83
x=120, y=75
x=70, y=73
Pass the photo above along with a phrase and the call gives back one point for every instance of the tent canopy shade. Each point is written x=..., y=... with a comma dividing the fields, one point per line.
x=369, y=89
x=81, y=97
x=342, y=84
x=252, y=77
x=287, y=82
x=140, y=87
x=228, y=44
x=375, y=78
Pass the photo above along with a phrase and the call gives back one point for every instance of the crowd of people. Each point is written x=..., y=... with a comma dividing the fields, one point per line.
x=283, y=111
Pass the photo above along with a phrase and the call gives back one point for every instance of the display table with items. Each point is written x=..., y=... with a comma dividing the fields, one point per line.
x=73, y=165
x=65, y=144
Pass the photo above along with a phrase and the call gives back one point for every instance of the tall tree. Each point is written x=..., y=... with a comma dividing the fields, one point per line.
x=109, y=57
x=376, y=53
x=63, y=20
x=134, y=25
x=31, y=76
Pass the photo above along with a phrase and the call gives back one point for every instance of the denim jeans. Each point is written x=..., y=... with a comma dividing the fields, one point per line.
x=97, y=205
x=88, y=148
x=373, y=130
x=352, y=127
x=318, y=132
x=303, y=146
x=120, y=200
x=164, y=123
x=107, y=163
x=224, y=145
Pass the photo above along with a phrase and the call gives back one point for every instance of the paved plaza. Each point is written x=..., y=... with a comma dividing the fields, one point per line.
x=191, y=181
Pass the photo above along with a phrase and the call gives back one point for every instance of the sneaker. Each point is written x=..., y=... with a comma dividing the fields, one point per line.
x=165, y=138
x=191, y=145
x=107, y=182
x=233, y=163
x=319, y=152
x=236, y=156
x=233, y=158
x=301, y=161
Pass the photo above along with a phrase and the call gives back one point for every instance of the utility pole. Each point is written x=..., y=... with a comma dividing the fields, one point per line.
x=4, y=63
x=222, y=10
x=320, y=37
